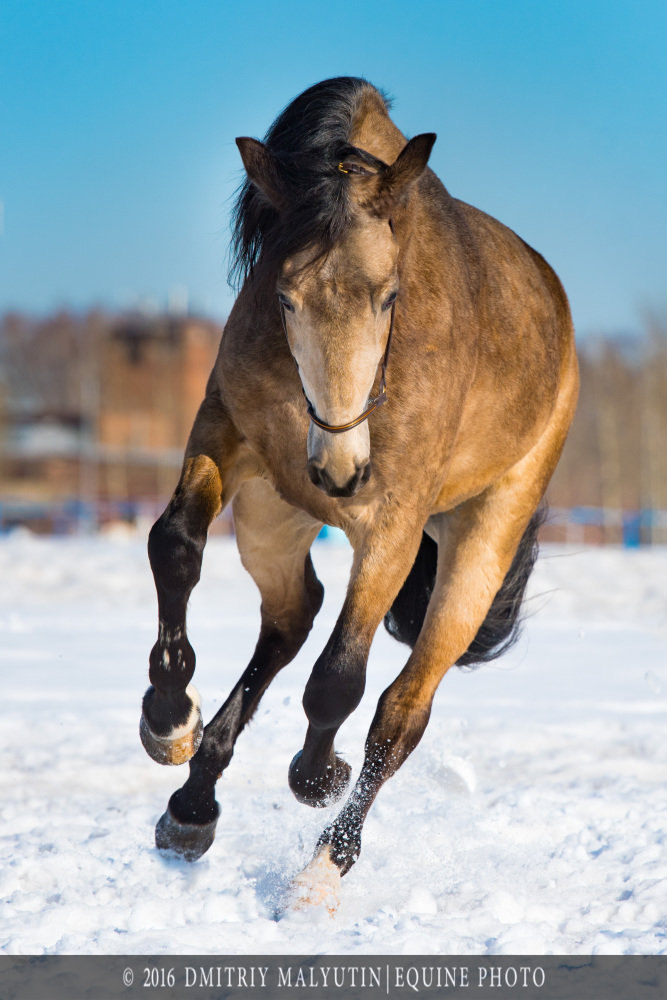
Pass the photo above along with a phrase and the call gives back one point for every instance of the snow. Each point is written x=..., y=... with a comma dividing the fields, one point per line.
x=531, y=819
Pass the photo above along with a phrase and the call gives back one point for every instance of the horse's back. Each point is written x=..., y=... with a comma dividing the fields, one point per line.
x=514, y=280
x=500, y=342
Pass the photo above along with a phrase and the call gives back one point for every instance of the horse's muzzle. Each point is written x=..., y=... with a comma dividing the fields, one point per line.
x=321, y=478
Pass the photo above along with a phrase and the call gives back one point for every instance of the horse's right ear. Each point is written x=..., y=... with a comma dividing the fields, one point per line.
x=397, y=179
x=262, y=169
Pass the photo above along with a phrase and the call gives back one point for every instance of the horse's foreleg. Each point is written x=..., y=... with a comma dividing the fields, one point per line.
x=476, y=545
x=274, y=540
x=171, y=727
x=337, y=682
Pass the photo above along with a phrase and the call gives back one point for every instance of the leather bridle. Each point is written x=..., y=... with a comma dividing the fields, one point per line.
x=374, y=404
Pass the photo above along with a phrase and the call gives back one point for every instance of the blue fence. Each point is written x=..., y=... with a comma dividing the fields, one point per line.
x=632, y=528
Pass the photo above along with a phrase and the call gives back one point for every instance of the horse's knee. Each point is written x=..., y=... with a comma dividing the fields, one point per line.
x=175, y=557
x=333, y=692
x=395, y=731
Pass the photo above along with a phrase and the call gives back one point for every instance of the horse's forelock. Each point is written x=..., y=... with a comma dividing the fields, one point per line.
x=308, y=140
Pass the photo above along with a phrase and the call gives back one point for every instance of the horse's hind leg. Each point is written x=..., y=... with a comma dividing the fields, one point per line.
x=461, y=597
x=274, y=541
x=171, y=727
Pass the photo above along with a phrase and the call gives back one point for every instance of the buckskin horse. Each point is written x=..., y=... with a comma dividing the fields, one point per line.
x=397, y=364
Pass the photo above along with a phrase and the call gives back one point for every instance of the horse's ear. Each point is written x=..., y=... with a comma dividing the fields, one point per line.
x=262, y=169
x=398, y=178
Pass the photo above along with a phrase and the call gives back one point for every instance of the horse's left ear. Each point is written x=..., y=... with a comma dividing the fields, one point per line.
x=262, y=169
x=398, y=178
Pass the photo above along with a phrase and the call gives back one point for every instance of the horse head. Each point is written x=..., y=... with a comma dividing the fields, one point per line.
x=338, y=305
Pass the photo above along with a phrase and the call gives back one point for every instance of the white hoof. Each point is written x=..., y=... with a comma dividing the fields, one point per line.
x=182, y=743
x=318, y=885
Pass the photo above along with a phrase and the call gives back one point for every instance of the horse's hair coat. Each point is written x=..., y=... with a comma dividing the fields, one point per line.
x=481, y=386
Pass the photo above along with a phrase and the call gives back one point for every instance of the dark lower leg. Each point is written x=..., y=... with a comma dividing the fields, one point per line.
x=194, y=803
x=337, y=683
x=176, y=563
x=188, y=825
x=395, y=732
x=317, y=775
x=171, y=721
x=170, y=707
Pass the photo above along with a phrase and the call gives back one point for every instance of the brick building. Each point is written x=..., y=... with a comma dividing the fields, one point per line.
x=106, y=426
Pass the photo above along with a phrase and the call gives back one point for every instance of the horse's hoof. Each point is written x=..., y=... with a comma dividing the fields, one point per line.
x=323, y=790
x=318, y=885
x=182, y=743
x=190, y=840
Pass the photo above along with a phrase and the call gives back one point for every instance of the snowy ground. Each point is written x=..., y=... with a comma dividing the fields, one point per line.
x=531, y=819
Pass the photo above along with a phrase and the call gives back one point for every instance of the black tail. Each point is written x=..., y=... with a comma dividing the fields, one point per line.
x=499, y=630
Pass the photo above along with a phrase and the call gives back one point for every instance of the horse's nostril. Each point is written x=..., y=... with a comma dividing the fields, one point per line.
x=365, y=474
x=321, y=478
x=314, y=474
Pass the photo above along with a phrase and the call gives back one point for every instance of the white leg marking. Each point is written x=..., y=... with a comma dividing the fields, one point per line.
x=317, y=885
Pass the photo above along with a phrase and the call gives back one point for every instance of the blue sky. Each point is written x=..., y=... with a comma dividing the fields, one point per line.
x=118, y=118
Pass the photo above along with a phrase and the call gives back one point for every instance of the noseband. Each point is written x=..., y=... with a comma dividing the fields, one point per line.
x=373, y=403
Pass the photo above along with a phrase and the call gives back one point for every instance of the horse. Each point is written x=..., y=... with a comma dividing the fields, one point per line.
x=401, y=366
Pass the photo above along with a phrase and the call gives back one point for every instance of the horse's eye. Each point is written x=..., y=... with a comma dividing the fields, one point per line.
x=285, y=302
x=389, y=301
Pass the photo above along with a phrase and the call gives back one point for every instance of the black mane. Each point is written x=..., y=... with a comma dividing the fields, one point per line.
x=308, y=139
